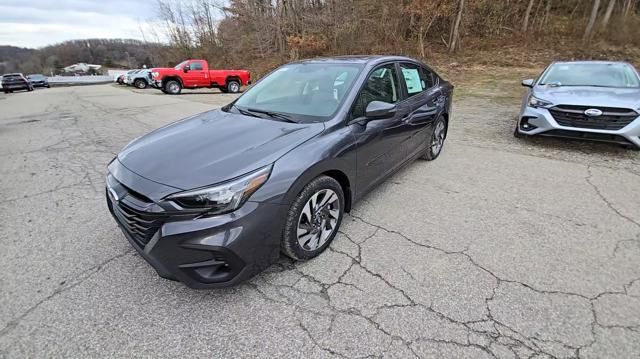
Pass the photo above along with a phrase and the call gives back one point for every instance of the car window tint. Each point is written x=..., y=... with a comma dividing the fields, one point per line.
x=416, y=79
x=382, y=85
x=196, y=66
x=428, y=77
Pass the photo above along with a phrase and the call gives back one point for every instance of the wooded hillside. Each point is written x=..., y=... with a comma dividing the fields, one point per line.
x=107, y=52
x=263, y=33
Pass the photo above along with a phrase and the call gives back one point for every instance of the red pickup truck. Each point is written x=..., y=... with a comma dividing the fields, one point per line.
x=192, y=74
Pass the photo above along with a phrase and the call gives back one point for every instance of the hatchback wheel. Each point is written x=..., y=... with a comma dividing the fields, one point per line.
x=313, y=219
x=436, y=140
x=173, y=87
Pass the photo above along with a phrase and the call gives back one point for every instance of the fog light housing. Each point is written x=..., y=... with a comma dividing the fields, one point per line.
x=525, y=125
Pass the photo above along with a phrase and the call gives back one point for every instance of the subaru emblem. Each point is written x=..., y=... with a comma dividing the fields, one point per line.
x=593, y=112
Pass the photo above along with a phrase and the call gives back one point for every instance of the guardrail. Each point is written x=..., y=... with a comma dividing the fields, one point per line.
x=79, y=80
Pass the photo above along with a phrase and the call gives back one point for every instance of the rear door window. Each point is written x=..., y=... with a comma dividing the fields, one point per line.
x=416, y=78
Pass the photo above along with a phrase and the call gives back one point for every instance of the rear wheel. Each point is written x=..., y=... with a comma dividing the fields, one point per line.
x=140, y=83
x=233, y=86
x=436, y=140
x=30, y=88
x=173, y=87
x=313, y=219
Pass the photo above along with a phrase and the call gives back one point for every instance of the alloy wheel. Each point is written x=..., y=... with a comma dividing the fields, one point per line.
x=318, y=220
x=173, y=87
x=437, y=142
x=234, y=87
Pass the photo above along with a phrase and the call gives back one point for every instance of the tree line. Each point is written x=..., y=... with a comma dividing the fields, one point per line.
x=268, y=32
x=110, y=53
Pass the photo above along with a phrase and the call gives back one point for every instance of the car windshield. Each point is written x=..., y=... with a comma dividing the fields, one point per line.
x=307, y=91
x=591, y=74
x=35, y=77
x=179, y=66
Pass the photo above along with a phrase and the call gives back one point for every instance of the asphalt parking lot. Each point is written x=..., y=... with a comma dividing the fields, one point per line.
x=501, y=248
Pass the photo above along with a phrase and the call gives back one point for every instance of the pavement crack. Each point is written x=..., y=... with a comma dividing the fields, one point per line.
x=75, y=281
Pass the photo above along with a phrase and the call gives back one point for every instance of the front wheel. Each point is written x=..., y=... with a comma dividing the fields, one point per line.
x=30, y=88
x=173, y=87
x=313, y=219
x=436, y=140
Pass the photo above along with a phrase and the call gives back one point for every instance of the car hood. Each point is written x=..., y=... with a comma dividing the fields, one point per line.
x=212, y=147
x=590, y=96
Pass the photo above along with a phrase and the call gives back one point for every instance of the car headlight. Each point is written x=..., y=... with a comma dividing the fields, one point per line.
x=155, y=74
x=225, y=197
x=536, y=102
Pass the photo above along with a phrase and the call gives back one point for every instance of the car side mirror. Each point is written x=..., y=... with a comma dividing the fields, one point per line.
x=379, y=109
x=528, y=83
x=186, y=68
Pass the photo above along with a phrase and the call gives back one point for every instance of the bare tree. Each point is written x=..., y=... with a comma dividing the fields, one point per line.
x=607, y=14
x=455, y=30
x=588, y=32
x=527, y=14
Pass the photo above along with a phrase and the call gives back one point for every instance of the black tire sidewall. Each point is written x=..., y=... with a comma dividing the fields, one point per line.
x=289, y=243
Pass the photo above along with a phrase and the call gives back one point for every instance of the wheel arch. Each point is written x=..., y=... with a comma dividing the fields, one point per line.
x=233, y=78
x=325, y=168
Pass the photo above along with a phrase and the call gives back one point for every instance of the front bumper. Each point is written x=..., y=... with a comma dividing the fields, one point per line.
x=543, y=124
x=213, y=252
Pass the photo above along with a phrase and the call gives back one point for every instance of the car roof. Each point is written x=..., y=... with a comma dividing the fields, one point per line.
x=13, y=74
x=357, y=59
x=601, y=62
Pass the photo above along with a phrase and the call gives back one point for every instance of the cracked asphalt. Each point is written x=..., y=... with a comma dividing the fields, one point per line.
x=502, y=248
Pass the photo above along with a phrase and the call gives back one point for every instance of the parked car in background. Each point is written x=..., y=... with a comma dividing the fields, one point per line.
x=38, y=80
x=193, y=74
x=128, y=79
x=140, y=79
x=213, y=199
x=15, y=82
x=592, y=100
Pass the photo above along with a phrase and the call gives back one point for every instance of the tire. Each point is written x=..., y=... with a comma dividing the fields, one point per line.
x=436, y=140
x=140, y=83
x=233, y=86
x=6, y=91
x=173, y=87
x=301, y=216
x=632, y=147
x=517, y=133
x=30, y=88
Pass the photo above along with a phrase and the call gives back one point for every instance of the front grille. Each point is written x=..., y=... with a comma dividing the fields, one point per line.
x=140, y=225
x=612, y=118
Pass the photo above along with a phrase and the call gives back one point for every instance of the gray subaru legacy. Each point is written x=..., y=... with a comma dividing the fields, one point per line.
x=593, y=100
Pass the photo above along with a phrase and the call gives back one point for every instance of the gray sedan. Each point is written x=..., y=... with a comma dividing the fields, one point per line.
x=593, y=100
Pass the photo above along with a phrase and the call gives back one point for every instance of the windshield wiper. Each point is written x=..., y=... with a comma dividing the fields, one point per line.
x=276, y=115
x=245, y=112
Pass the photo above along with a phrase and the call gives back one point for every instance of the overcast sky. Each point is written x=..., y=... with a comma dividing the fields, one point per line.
x=37, y=23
